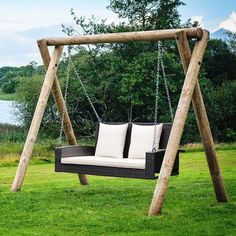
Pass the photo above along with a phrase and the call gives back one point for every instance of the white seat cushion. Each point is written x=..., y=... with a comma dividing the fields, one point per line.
x=142, y=137
x=111, y=140
x=105, y=161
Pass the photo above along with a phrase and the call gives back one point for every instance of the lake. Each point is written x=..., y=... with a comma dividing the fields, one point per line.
x=7, y=113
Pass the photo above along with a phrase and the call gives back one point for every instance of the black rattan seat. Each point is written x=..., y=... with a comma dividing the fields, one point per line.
x=153, y=160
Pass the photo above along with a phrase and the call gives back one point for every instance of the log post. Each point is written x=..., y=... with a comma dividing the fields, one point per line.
x=202, y=121
x=60, y=103
x=178, y=125
x=37, y=119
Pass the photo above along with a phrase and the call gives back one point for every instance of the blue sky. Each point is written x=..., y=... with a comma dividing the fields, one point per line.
x=212, y=12
x=23, y=22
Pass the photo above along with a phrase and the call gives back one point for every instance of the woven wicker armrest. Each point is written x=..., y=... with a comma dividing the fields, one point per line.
x=156, y=154
x=151, y=162
x=160, y=153
x=71, y=151
x=154, y=162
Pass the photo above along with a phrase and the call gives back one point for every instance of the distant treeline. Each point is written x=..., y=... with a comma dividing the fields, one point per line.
x=121, y=78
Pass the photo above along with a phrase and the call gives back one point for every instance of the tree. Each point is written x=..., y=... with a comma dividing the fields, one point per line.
x=219, y=61
x=9, y=76
x=9, y=82
x=148, y=14
x=120, y=77
x=232, y=41
x=10, y=86
x=28, y=92
x=3, y=73
x=222, y=111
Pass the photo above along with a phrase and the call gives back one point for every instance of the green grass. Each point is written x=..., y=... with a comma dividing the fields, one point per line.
x=196, y=147
x=55, y=204
x=13, y=151
x=8, y=96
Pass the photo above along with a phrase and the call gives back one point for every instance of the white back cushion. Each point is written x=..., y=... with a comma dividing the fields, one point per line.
x=111, y=140
x=142, y=137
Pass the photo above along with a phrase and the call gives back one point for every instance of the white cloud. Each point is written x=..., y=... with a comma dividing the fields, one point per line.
x=13, y=53
x=24, y=22
x=230, y=23
x=199, y=19
x=20, y=18
x=20, y=47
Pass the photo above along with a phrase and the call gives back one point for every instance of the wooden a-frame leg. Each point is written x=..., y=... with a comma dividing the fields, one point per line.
x=202, y=121
x=60, y=103
x=178, y=125
x=37, y=119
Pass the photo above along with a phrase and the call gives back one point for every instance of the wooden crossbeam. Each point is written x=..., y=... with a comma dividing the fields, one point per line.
x=153, y=35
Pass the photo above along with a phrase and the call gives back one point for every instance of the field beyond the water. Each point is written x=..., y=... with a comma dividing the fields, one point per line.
x=55, y=204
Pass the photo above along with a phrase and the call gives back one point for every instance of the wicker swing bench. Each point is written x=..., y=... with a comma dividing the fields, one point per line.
x=81, y=159
x=130, y=161
x=191, y=61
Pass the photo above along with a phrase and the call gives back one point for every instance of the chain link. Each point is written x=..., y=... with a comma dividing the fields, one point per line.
x=84, y=89
x=65, y=100
x=154, y=145
x=69, y=67
x=166, y=86
x=160, y=63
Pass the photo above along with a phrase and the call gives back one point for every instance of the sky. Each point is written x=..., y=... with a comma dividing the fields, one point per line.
x=23, y=22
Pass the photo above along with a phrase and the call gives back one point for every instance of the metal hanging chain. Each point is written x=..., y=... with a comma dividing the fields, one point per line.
x=157, y=95
x=65, y=100
x=166, y=85
x=160, y=63
x=157, y=82
x=82, y=85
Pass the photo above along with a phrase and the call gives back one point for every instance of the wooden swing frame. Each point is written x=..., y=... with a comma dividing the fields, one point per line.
x=190, y=92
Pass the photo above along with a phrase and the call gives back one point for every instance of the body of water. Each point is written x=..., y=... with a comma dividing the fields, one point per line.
x=8, y=113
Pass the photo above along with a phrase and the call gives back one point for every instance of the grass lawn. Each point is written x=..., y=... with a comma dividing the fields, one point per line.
x=55, y=204
x=8, y=96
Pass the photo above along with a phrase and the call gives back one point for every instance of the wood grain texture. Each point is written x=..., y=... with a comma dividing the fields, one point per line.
x=202, y=121
x=178, y=125
x=60, y=103
x=37, y=119
x=123, y=37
